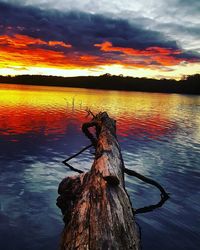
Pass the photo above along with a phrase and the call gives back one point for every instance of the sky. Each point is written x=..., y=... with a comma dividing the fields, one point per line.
x=156, y=39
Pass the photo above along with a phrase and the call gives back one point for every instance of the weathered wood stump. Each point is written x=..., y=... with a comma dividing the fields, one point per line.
x=96, y=207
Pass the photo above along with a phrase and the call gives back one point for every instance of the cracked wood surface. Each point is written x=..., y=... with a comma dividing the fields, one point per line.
x=96, y=207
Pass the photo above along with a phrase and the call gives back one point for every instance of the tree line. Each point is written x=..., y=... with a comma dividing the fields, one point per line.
x=187, y=85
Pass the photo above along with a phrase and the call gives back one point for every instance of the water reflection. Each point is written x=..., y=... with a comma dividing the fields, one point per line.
x=40, y=126
x=42, y=110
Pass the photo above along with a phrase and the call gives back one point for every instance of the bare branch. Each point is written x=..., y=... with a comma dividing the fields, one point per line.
x=90, y=113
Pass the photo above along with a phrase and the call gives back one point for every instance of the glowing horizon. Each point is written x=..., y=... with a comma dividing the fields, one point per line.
x=84, y=44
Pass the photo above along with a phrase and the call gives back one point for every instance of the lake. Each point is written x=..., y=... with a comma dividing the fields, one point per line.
x=159, y=135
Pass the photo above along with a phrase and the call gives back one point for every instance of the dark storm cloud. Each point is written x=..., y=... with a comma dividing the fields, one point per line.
x=82, y=31
x=79, y=29
x=189, y=4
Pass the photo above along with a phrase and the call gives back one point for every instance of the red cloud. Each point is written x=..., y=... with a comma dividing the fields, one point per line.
x=22, y=41
x=161, y=56
x=22, y=50
x=27, y=51
x=62, y=44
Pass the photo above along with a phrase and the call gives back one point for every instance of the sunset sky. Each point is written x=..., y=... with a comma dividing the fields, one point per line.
x=70, y=37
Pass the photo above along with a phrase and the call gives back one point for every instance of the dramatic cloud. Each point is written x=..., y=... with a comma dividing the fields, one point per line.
x=24, y=50
x=84, y=34
x=151, y=55
x=81, y=30
x=162, y=15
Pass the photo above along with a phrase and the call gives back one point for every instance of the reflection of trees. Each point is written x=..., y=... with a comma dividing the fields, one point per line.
x=188, y=84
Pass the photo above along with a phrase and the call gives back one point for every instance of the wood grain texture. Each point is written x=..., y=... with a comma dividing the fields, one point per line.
x=96, y=207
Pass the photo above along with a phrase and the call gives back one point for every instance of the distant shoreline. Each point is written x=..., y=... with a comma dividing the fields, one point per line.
x=190, y=85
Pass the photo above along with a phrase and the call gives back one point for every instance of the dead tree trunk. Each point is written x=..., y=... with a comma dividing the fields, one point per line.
x=96, y=207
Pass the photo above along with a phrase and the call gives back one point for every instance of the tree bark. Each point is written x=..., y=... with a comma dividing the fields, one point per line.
x=96, y=207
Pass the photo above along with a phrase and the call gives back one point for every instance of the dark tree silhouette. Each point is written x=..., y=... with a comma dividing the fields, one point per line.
x=187, y=85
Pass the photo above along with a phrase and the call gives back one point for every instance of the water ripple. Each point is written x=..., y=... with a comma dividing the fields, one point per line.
x=159, y=135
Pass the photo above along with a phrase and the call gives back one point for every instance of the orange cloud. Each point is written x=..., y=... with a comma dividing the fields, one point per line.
x=162, y=56
x=26, y=51
x=19, y=41
x=22, y=41
x=21, y=50
x=62, y=44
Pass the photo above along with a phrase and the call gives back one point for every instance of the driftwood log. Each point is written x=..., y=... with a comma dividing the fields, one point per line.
x=97, y=210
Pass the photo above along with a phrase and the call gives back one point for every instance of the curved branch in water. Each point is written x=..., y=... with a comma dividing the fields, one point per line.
x=81, y=151
x=151, y=207
x=164, y=194
x=72, y=168
x=73, y=156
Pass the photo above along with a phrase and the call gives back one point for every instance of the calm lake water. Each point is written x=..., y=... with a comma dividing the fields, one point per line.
x=159, y=136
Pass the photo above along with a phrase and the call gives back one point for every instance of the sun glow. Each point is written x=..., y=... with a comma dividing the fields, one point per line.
x=21, y=54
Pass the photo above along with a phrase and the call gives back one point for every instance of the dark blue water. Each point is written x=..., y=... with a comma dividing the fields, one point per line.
x=159, y=136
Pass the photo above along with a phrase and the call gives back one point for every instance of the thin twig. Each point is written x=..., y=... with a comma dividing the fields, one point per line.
x=71, y=157
x=90, y=113
x=72, y=168
x=81, y=151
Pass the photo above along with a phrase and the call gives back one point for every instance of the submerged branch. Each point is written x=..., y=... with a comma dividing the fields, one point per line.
x=147, y=180
x=73, y=156
x=72, y=168
x=150, y=208
x=80, y=152
x=164, y=194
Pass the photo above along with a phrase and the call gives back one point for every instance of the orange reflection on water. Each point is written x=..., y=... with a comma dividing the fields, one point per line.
x=35, y=109
x=50, y=110
x=153, y=127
